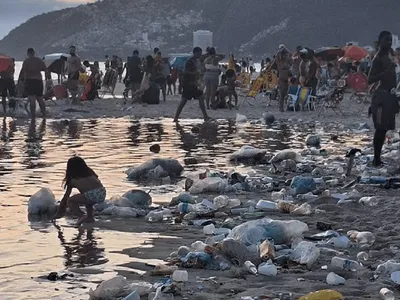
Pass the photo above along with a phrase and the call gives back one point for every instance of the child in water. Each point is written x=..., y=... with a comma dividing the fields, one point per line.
x=78, y=175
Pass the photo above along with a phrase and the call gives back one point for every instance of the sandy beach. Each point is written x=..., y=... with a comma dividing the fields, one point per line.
x=295, y=279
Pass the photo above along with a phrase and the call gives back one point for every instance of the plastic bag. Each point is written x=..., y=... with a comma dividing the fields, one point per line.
x=254, y=232
x=136, y=199
x=302, y=185
x=247, y=152
x=305, y=253
x=172, y=168
x=238, y=253
x=208, y=185
x=284, y=155
x=123, y=212
x=241, y=118
x=182, y=198
x=42, y=202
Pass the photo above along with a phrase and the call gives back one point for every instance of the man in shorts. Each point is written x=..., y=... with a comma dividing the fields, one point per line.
x=191, y=88
x=74, y=66
x=31, y=75
x=7, y=87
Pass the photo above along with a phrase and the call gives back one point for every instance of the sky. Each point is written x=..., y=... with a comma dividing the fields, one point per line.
x=15, y=12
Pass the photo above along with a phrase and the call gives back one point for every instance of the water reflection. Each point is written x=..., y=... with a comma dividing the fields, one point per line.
x=82, y=250
x=33, y=148
x=134, y=133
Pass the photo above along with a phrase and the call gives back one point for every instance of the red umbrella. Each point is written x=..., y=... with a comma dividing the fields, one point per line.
x=6, y=63
x=355, y=52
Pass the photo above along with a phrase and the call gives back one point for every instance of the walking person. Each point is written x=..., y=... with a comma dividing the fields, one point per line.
x=191, y=88
x=134, y=71
x=31, y=76
x=211, y=75
x=7, y=86
x=384, y=105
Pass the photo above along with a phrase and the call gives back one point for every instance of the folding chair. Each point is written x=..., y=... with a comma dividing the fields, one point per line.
x=359, y=84
x=292, y=97
x=254, y=90
x=109, y=82
x=333, y=101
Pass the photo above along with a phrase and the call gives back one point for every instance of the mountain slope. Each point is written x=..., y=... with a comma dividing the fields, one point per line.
x=245, y=26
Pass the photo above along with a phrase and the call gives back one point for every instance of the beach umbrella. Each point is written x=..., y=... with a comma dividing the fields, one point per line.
x=56, y=62
x=329, y=54
x=6, y=63
x=179, y=62
x=355, y=52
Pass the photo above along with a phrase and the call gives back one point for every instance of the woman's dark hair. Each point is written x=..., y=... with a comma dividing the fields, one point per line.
x=77, y=168
x=211, y=51
x=230, y=73
x=149, y=63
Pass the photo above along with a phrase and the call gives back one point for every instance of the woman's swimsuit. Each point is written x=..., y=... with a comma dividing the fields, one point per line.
x=96, y=196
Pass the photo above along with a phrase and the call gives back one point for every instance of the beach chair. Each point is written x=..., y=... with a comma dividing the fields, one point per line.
x=302, y=99
x=109, y=82
x=292, y=97
x=359, y=83
x=253, y=91
x=333, y=101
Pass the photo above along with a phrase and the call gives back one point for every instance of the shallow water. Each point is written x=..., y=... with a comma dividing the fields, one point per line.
x=34, y=155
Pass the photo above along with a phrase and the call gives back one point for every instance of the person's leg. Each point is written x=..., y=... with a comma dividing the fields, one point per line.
x=174, y=85
x=89, y=212
x=4, y=103
x=203, y=108
x=208, y=94
x=32, y=106
x=163, y=90
x=283, y=87
x=180, y=108
x=379, y=140
x=77, y=200
x=42, y=106
x=230, y=93
x=213, y=91
x=236, y=99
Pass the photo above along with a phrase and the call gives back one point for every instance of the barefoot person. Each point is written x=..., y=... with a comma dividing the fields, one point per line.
x=7, y=86
x=283, y=62
x=384, y=106
x=85, y=180
x=31, y=76
x=191, y=88
x=74, y=66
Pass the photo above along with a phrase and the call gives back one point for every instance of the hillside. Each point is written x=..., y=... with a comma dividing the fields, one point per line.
x=245, y=26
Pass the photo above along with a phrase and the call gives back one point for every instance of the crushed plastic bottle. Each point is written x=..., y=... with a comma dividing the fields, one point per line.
x=345, y=264
x=267, y=269
x=250, y=267
x=307, y=197
x=305, y=253
x=338, y=242
x=221, y=201
x=132, y=296
x=158, y=216
x=386, y=294
x=334, y=279
x=266, y=205
x=209, y=229
x=234, y=203
x=286, y=207
x=373, y=180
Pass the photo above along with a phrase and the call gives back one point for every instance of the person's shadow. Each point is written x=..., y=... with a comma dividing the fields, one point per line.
x=82, y=250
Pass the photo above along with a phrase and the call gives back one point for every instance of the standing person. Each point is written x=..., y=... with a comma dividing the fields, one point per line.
x=155, y=51
x=171, y=81
x=397, y=59
x=311, y=80
x=296, y=63
x=134, y=71
x=78, y=175
x=107, y=63
x=31, y=76
x=7, y=86
x=283, y=62
x=159, y=74
x=74, y=66
x=230, y=82
x=211, y=75
x=120, y=68
x=384, y=105
x=247, y=64
x=191, y=85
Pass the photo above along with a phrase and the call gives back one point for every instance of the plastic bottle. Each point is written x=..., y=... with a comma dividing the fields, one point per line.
x=210, y=241
x=198, y=246
x=373, y=180
x=369, y=201
x=157, y=216
x=307, y=197
x=276, y=196
x=386, y=294
x=209, y=229
x=388, y=267
x=267, y=269
x=250, y=267
x=345, y=264
x=334, y=279
x=234, y=203
x=362, y=256
x=339, y=242
x=185, y=208
x=266, y=205
x=180, y=276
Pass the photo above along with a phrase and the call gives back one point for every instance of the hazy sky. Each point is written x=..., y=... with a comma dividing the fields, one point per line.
x=16, y=12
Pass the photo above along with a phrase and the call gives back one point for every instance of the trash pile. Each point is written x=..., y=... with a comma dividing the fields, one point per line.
x=249, y=235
